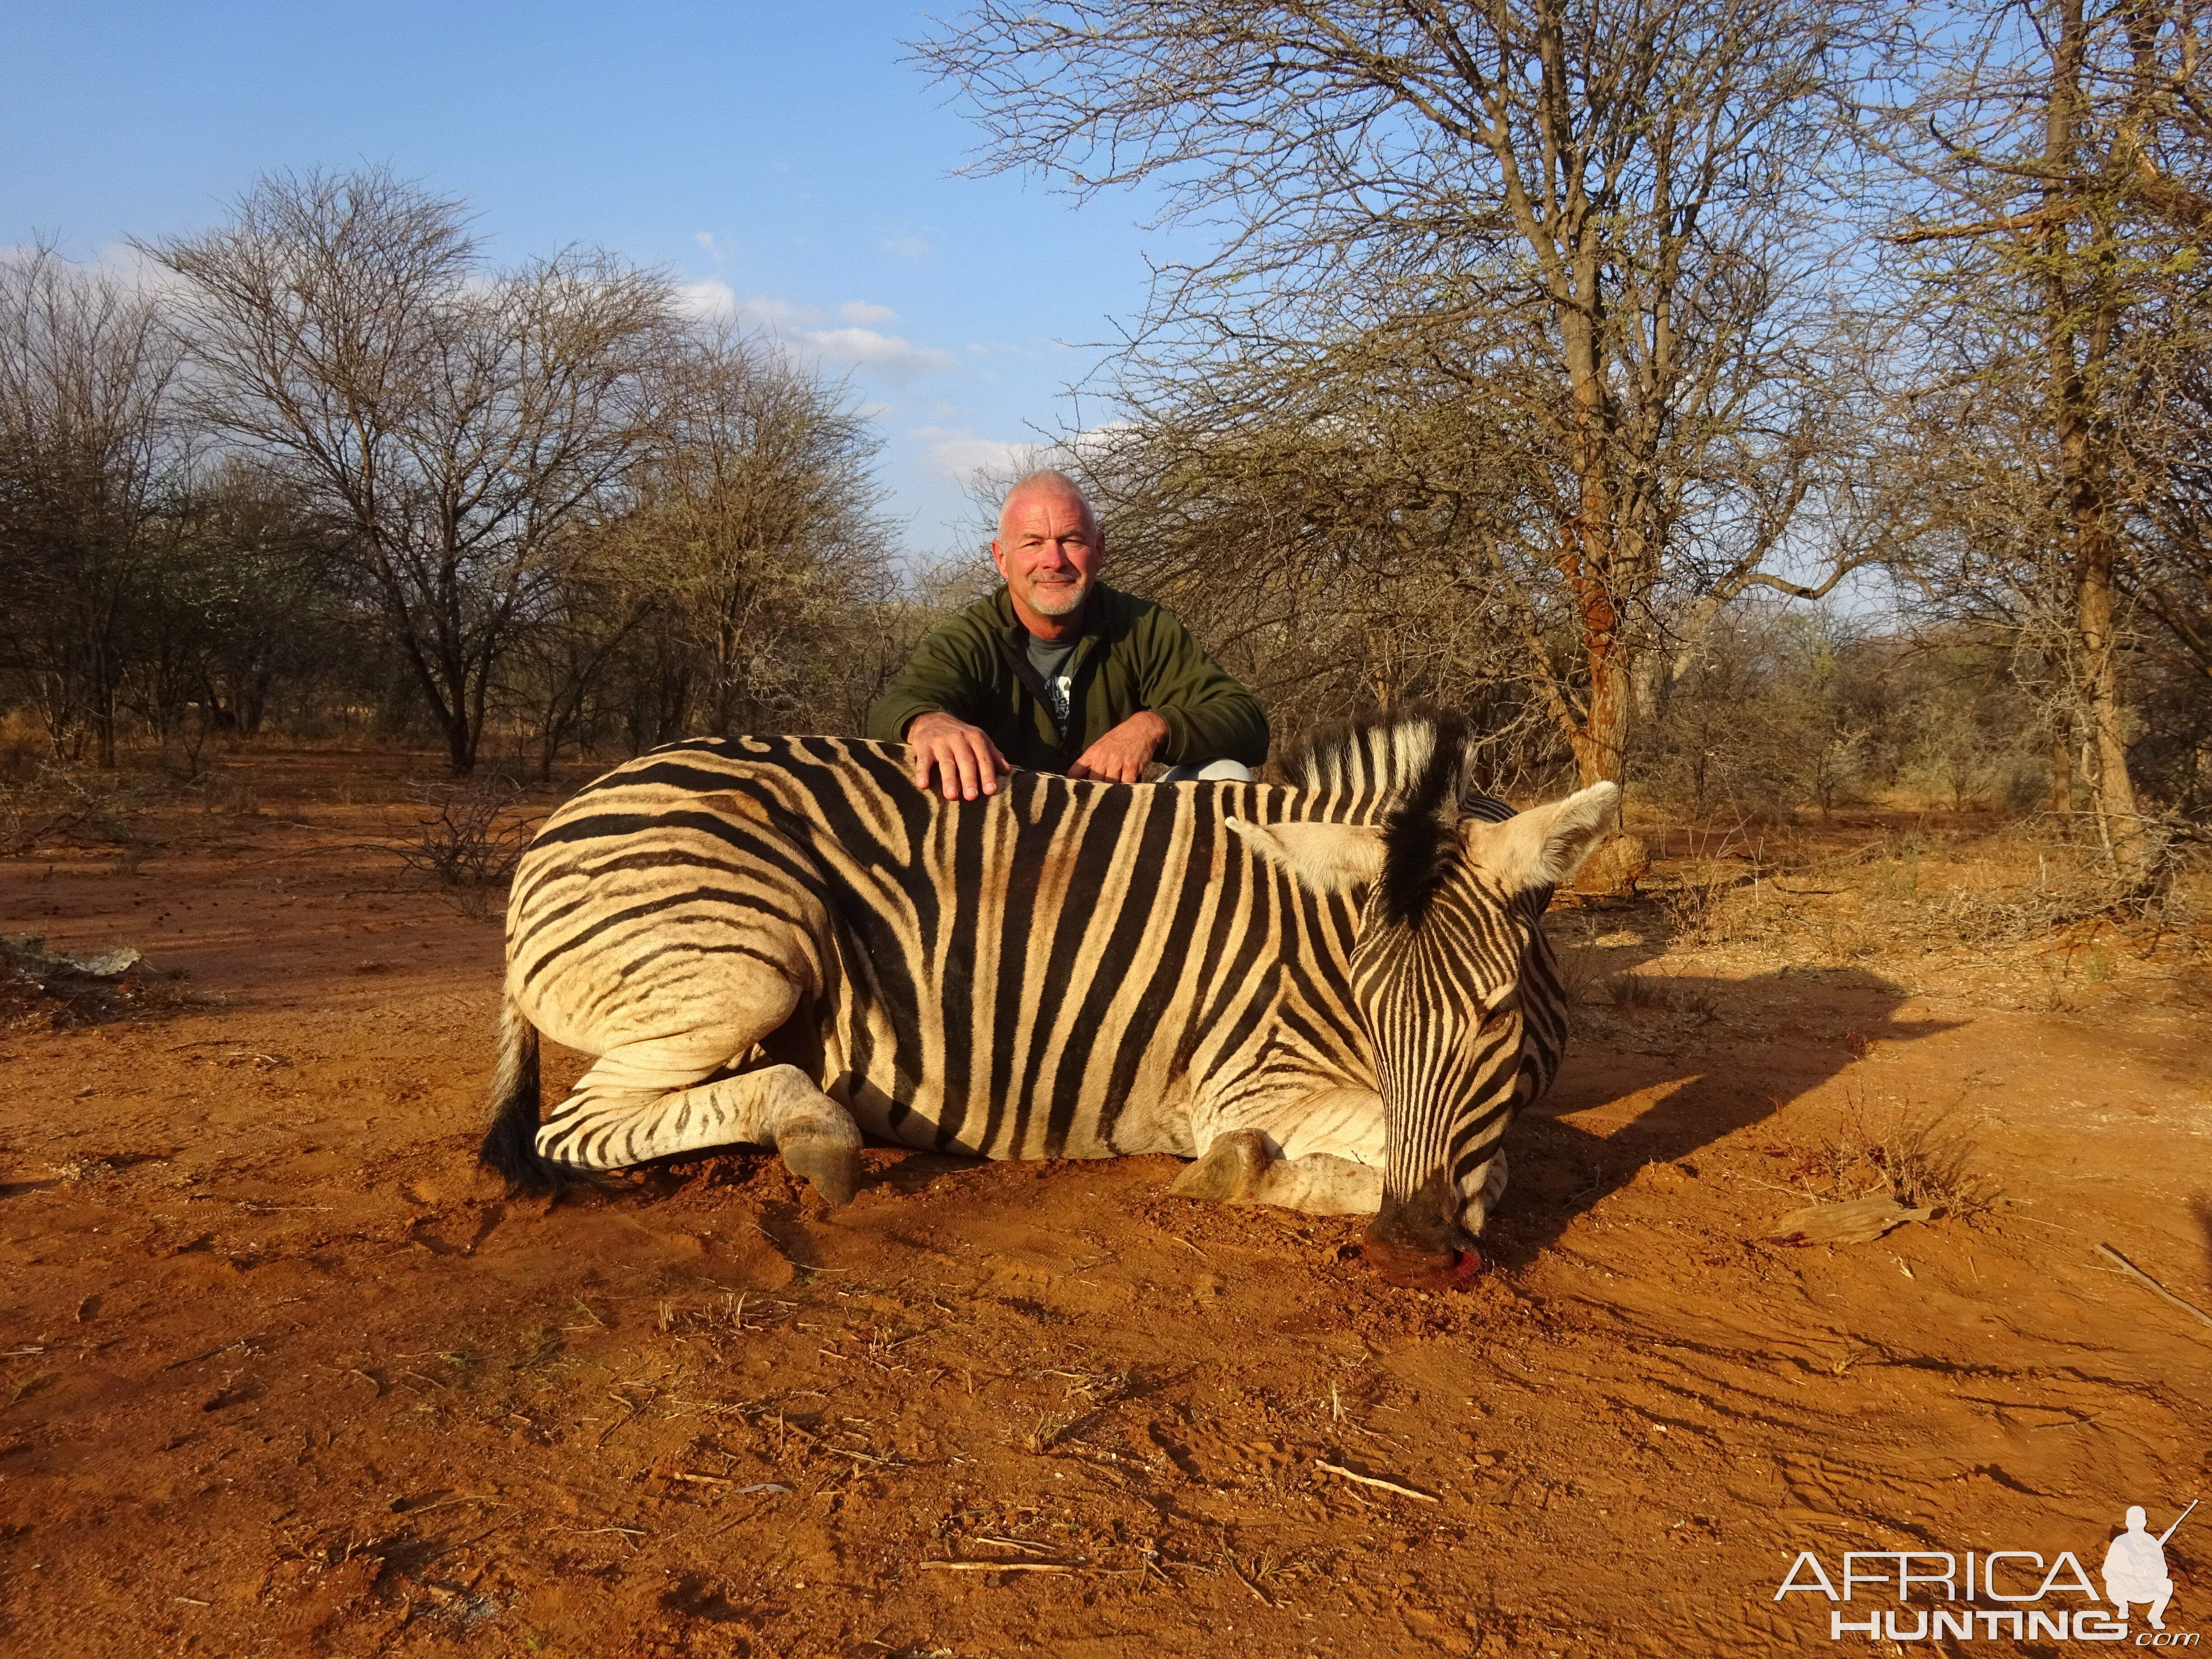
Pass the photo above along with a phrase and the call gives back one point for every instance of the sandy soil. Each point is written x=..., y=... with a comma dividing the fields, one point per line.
x=281, y=1372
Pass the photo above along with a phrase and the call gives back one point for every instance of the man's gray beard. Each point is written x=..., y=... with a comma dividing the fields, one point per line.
x=1058, y=598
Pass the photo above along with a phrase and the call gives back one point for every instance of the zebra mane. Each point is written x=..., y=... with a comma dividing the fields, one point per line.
x=1404, y=768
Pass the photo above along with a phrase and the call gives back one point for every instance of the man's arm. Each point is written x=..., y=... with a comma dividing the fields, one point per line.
x=930, y=704
x=939, y=677
x=1209, y=715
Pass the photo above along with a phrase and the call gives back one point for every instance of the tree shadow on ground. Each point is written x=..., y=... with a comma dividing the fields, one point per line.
x=1724, y=1079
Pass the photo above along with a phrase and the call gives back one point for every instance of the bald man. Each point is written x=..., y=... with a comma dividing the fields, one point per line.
x=1055, y=672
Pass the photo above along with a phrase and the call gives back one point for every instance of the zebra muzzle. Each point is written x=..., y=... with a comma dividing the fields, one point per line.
x=1416, y=1243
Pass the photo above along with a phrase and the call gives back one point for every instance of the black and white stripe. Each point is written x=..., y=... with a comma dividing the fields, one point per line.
x=1063, y=970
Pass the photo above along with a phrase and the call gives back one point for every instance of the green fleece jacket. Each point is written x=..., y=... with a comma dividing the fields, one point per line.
x=1132, y=655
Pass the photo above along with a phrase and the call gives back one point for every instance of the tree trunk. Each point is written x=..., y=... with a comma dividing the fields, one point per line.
x=1599, y=740
x=103, y=708
x=1602, y=742
x=2080, y=329
x=2112, y=791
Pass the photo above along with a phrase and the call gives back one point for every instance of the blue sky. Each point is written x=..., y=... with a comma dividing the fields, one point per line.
x=782, y=152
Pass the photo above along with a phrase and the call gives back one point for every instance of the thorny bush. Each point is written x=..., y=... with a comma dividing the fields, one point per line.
x=469, y=840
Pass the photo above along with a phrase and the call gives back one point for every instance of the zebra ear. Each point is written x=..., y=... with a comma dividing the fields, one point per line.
x=1323, y=857
x=1545, y=846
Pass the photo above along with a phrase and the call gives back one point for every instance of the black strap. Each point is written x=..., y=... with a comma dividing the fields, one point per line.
x=1015, y=648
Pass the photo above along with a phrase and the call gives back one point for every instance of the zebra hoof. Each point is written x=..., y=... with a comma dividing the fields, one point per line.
x=1229, y=1172
x=833, y=1171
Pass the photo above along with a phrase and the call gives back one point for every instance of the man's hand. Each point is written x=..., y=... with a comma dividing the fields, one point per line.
x=1122, y=754
x=968, y=762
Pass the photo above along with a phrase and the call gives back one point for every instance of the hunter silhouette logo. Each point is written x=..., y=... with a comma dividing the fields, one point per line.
x=2019, y=1582
x=2135, y=1567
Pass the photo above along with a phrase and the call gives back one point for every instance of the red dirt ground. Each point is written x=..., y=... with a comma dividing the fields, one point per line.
x=280, y=1371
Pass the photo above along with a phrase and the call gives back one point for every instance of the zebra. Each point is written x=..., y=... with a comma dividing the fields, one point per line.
x=1333, y=995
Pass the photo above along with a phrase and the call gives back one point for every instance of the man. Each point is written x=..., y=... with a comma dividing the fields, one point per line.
x=1058, y=673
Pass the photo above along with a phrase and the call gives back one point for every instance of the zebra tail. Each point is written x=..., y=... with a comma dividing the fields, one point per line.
x=510, y=1146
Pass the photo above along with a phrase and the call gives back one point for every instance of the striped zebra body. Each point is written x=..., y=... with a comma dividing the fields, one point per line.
x=783, y=941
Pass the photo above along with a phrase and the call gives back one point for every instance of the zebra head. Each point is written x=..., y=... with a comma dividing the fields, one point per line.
x=1453, y=980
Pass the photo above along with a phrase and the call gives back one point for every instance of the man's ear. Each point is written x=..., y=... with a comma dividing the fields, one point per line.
x=1545, y=846
x=1322, y=857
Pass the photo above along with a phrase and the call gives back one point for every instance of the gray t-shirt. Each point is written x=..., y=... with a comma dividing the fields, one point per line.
x=1051, y=659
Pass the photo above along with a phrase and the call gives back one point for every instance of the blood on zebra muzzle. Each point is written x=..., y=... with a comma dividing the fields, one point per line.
x=1417, y=1242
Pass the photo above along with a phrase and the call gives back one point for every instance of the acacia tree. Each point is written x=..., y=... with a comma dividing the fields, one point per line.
x=1597, y=217
x=2167, y=576
x=453, y=422
x=760, y=523
x=88, y=460
x=741, y=582
x=2059, y=148
x=2170, y=577
x=1331, y=544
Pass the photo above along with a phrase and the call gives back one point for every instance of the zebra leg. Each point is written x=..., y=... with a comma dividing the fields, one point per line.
x=1321, y=1154
x=629, y=1108
x=1244, y=1167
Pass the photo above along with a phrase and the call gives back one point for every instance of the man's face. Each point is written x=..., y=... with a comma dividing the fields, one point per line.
x=1048, y=551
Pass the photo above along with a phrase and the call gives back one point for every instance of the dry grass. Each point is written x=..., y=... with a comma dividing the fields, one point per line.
x=62, y=803
x=2012, y=896
x=1928, y=1164
x=1632, y=991
x=1046, y=1432
x=1697, y=1002
x=1924, y=1160
x=1580, y=957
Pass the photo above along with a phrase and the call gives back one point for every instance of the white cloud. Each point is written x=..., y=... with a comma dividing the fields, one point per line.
x=959, y=454
x=886, y=354
x=914, y=249
x=796, y=326
x=710, y=301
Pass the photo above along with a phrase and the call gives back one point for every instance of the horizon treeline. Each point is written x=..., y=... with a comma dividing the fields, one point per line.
x=1767, y=402
x=331, y=472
